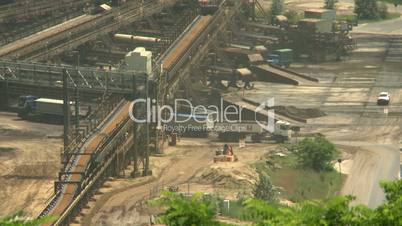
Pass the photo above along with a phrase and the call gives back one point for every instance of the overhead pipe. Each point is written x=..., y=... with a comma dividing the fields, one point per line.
x=135, y=38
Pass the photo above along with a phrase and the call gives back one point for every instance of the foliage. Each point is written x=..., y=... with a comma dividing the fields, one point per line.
x=316, y=153
x=390, y=213
x=199, y=210
x=336, y=211
x=293, y=16
x=259, y=210
x=19, y=219
x=366, y=9
x=187, y=211
x=276, y=8
x=382, y=10
x=329, y=4
x=264, y=189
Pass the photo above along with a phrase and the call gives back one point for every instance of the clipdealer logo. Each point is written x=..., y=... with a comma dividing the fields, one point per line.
x=267, y=106
x=166, y=114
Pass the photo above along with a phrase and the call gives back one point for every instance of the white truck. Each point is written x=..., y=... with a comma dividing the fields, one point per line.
x=234, y=131
x=50, y=107
x=383, y=98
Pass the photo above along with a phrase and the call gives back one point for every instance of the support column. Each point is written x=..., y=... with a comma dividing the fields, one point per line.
x=135, y=148
x=157, y=130
x=77, y=110
x=66, y=110
x=252, y=8
x=4, y=100
x=146, y=165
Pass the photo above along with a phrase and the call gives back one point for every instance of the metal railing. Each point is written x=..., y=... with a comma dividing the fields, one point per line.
x=120, y=82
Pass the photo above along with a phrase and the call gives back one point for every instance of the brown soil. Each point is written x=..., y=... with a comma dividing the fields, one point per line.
x=29, y=162
x=304, y=113
x=183, y=166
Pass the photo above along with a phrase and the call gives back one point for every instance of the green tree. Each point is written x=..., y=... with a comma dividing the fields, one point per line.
x=336, y=211
x=382, y=10
x=187, y=211
x=366, y=9
x=316, y=153
x=276, y=8
x=390, y=213
x=198, y=210
x=264, y=189
x=329, y=4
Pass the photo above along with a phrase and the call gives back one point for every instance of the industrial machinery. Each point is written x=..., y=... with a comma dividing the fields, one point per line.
x=225, y=154
x=239, y=78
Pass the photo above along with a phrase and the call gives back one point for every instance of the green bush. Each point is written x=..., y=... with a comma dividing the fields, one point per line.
x=366, y=9
x=382, y=10
x=264, y=189
x=335, y=211
x=183, y=211
x=316, y=153
x=198, y=211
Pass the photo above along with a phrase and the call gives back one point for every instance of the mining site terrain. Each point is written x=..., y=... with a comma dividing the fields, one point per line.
x=347, y=92
x=98, y=166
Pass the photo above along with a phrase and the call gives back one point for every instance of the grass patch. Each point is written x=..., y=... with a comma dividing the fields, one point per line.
x=300, y=184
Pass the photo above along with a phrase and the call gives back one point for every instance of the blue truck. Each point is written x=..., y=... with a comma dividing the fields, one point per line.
x=281, y=57
x=42, y=109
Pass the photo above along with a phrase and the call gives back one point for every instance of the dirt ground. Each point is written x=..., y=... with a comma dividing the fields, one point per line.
x=183, y=166
x=347, y=93
x=29, y=152
x=29, y=162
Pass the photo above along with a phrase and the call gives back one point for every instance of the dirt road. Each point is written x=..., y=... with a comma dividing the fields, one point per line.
x=119, y=209
x=371, y=164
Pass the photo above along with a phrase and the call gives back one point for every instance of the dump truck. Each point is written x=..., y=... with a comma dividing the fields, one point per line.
x=281, y=57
